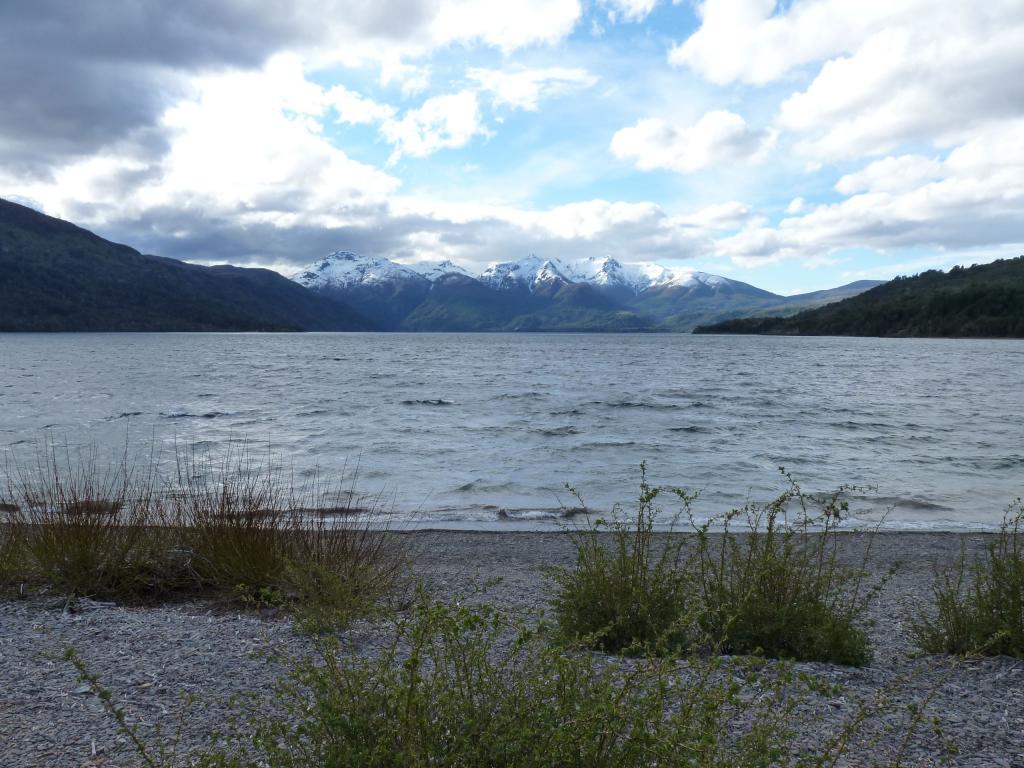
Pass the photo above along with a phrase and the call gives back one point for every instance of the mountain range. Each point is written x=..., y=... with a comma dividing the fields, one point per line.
x=545, y=294
x=55, y=276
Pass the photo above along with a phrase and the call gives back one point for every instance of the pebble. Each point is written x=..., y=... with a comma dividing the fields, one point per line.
x=154, y=658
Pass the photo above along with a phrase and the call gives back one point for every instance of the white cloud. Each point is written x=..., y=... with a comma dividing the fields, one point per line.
x=441, y=122
x=523, y=88
x=481, y=233
x=355, y=109
x=628, y=10
x=411, y=78
x=718, y=138
x=892, y=174
x=747, y=40
x=796, y=205
x=504, y=25
x=720, y=216
x=921, y=83
x=891, y=72
x=972, y=199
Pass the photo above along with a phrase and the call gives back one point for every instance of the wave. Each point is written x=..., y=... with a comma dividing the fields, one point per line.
x=435, y=401
x=635, y=404
x=693, y=429
x=557, y=513
x=905, y=502
x=521, y=396
x=558, y=431
x=483, y=485
x=125, y=415
x=185, y=415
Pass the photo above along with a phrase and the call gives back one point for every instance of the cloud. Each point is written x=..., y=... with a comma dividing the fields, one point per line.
x=747, y=40
x=507, y=26
x=912, y=84
x=718, y=138
x=796, y=205
x=721, y=216
x=893, y=174
x=628, y=10
x=887, y=74
x=247, y=145
x=442, y=122
x=355, y=109
x=974, y=198
x=523, y=88
x=78, y=77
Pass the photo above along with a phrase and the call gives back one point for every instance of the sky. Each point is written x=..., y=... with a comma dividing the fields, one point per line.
x=795, y=145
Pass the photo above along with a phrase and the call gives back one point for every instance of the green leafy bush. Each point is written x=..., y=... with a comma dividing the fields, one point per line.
x=980, y=608
x=778, y=586
x=632, y=596
x=775, y=587
x=472, y=686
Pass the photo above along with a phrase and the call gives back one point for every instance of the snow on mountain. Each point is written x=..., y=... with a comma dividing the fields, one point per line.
x=343, y=269
x=432, y=270
x=611, y=273
x=529, y=272
x=690, y=278
x=604, y=272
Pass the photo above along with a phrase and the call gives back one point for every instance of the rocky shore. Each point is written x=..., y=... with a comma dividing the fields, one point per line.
x=177, y=668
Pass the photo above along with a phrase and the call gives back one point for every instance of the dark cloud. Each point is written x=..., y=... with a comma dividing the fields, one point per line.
x=79, y=75
x=194, y=235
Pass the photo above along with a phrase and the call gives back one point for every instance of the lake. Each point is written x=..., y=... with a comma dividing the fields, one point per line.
x=481, y=430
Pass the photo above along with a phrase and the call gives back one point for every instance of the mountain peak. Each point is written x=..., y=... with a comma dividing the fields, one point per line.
x=433, y=270
x=527, y=273
x=344, y=268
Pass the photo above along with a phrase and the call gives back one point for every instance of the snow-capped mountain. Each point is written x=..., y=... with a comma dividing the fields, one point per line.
x=609, y=272
x=343, y=269
x=536, y=293
x=432, y=270
x=531, y=272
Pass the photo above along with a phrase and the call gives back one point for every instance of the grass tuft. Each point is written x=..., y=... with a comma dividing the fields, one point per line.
x=229, y=525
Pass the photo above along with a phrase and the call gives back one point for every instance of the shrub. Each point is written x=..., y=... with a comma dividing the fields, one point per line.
x=980, y=609
x=779, y=588
x=776, y=588
x=472, y=686
x=631, y=596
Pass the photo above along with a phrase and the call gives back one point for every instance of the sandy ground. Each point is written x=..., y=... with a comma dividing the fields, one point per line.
x=155, y=658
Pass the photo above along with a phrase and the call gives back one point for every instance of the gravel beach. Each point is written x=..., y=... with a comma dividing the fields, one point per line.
x=155, y=659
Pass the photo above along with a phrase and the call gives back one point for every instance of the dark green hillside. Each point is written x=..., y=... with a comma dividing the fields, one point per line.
x=458, y=303
x=55, y=276
x=985, y=300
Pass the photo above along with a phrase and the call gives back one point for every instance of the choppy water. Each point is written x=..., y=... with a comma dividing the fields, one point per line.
x=485, y=430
